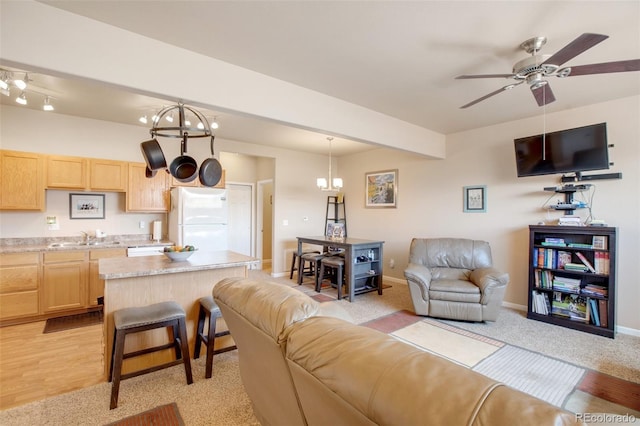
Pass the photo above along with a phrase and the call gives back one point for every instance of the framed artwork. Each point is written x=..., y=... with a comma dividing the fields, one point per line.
x=86, y=206
x=475, y=199
x=335, y=230
x=381, y=189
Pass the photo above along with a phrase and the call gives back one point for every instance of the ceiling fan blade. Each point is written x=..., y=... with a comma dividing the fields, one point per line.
x=502, y=89
x=584, y=42
x=462, y=77
x=606, y=67
x=543, y=94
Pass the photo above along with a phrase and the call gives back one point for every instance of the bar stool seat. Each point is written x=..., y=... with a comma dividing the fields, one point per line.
x=209, y=309
x=314, y=263
x=336, y=264
x=294, y=262
x=138, y=319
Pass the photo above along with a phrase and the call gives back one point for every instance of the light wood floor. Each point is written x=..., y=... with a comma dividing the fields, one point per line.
x=35, y=366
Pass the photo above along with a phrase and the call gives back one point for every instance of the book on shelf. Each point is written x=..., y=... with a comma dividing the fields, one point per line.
x=601, y=262
x=602, y=310
x=586, y=262
x=543, y=279
x=600, y=242
x=554, y=240
x=580, y=245
x=572, y=306
x=594, y=312
x=567, y=285
x=595, y=290
x=564, y=257
x=576, y=267
x=540, y=302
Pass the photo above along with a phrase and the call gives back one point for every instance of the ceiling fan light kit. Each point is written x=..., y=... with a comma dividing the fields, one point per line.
x=535, y=69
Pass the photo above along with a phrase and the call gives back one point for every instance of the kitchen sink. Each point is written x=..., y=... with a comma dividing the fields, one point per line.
x=82, y=243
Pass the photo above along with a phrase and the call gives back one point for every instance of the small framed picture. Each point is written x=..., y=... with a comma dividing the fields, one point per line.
x=381, y=189
x=599, y=242
x=335, y=230
x=475, y=199
x=86, y=206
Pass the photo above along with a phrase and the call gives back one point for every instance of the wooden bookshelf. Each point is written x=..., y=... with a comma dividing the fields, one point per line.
x=572, y=277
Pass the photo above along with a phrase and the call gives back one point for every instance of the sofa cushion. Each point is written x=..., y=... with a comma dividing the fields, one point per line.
x=450, y=253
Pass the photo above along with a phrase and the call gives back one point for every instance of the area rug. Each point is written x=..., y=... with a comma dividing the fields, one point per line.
x=543, y=377
x=164, y=415
x=73, y=321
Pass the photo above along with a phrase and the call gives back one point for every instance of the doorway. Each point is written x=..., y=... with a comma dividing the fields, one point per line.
x=240, y=217
x=265, y=222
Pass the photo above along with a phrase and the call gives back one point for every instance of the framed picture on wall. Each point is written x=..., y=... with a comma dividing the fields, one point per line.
x=86, y=206
x=381, y=189
x=475, y=199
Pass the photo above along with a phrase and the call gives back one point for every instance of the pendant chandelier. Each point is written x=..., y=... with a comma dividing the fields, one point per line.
x=333, y=184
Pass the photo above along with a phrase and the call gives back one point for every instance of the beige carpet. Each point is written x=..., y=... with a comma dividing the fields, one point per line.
x=221, y=400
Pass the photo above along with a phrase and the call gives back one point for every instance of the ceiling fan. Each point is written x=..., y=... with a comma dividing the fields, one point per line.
x=534, y=69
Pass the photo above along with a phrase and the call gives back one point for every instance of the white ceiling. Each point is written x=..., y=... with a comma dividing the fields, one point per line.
x=395, y=57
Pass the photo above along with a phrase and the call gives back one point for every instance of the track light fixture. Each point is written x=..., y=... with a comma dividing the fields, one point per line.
x=22, y=99
x=47, y=104
x=22, y=84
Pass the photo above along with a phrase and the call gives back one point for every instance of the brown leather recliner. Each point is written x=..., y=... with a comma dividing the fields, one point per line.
x=454, y=278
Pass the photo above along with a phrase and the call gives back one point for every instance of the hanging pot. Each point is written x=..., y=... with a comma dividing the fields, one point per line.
x=153, y=155
x=149, y=173
x=184, y=168
x=210, y=169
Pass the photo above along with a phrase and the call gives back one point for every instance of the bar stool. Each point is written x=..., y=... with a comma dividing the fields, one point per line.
x=134, y=320
x=294, y=263
x=209, y=308
x=314, y=264
x=336, y=264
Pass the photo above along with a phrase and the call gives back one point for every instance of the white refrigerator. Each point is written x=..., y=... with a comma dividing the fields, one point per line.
x=199, y=217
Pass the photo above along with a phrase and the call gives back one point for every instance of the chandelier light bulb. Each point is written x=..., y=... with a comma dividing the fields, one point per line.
x=22, y=99
x=170, y=118
x=214, y=124
x=3, y=84
x=143, y=119
x=200, y=125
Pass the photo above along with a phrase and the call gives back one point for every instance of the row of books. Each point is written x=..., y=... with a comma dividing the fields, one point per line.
x=546, y=280
x=572, y=306
x=561, y=259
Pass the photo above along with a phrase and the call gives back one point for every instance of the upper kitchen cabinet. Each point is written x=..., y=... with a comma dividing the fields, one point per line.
x=67, y=172
x=107, y=175
x=22, y=177
x=147, y=194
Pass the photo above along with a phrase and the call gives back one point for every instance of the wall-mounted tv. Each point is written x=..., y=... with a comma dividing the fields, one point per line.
x=566, y=151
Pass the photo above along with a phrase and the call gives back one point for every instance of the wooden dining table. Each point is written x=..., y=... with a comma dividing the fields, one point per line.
x=363, y=261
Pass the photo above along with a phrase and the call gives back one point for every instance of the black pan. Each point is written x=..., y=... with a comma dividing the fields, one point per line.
x=210, y=169
x=153, y=155
x=149, y=173
x=184, y=168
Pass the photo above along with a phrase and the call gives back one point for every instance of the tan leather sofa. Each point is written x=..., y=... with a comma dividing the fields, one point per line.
x=301, y=367
x=454, y=278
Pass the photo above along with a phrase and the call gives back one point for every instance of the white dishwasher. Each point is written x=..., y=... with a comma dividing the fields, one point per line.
x=145, y=251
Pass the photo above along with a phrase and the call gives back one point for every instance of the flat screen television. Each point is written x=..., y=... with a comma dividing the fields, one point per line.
x=566, y=151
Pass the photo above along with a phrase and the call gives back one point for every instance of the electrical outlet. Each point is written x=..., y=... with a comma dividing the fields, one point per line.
x=141, y=224
x=392, y=263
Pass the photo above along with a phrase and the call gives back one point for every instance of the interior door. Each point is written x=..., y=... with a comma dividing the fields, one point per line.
x=240, y=202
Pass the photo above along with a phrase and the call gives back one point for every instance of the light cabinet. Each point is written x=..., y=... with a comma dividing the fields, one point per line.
x=96, y=285
x=65, y=172
x=107, y=175
x=19, y=284
x=147, y=194
x=21, y=181
x=196, y=182
x=65, y=280
x=572, y=277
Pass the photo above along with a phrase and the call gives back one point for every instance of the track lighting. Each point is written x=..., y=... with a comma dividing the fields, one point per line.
x=22, y=99
x=47, y=104
x=22, y=84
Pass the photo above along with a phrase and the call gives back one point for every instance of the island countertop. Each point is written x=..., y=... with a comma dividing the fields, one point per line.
x=128, y=267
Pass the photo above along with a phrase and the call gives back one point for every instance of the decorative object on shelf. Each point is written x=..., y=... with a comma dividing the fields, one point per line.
x=86, y=206
x=381, y=188
x=475, y=199
x=20, y=81
x=335, y=231
x=191, y=124
x=333, y=184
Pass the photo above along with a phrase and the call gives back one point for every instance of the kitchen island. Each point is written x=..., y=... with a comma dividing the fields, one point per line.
x=141, y=281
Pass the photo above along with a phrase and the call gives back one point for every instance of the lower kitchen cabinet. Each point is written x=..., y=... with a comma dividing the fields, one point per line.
x=96, y=285
x=19, y=285
x=65, y=280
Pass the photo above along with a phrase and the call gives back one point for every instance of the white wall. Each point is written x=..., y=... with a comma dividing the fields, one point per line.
x=430, y=196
